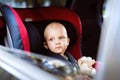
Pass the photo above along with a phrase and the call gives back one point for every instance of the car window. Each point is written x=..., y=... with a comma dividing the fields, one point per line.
x=34, y=3
x=12, y=61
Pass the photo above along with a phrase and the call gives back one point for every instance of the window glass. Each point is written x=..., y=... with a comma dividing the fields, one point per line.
x=34, y=3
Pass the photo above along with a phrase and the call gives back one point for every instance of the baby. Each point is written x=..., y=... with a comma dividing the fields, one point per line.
x=56, y=38
x=56, y=43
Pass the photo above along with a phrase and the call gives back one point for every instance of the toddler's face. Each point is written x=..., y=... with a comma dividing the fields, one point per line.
x=56, y=38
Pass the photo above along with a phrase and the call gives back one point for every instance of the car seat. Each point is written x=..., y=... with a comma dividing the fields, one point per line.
x=23, y=26
x=16, y=33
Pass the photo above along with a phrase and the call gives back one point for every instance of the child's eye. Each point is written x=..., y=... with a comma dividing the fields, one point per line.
x=62, y=38
x=51, y=39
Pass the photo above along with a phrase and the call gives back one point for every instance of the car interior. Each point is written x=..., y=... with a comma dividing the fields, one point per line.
x=21, y=27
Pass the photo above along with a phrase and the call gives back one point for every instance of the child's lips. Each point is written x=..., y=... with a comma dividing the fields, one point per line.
x=58, y=47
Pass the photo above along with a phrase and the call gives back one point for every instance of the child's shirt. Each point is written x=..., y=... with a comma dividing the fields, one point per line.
x=69, y=58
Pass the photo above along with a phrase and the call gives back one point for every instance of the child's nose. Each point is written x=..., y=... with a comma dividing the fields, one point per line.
x=57, y=41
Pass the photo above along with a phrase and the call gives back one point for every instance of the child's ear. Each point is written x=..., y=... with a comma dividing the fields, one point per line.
x=45, y=45
x=68, y=40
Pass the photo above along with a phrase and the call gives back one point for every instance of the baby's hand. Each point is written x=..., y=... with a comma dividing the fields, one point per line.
x=85, y=64
x=88, y=60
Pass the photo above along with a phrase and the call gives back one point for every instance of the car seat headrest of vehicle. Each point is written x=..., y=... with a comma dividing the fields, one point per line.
x=71, y=30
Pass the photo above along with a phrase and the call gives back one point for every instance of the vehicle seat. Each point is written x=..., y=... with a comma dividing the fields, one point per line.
x=21, y=24
x=39, y=15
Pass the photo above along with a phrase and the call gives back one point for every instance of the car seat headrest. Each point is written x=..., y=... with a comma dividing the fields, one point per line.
x=36, y=33
x=71, y=30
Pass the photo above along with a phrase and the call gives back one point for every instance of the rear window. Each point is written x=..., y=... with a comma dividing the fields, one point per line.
x=34, y=3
